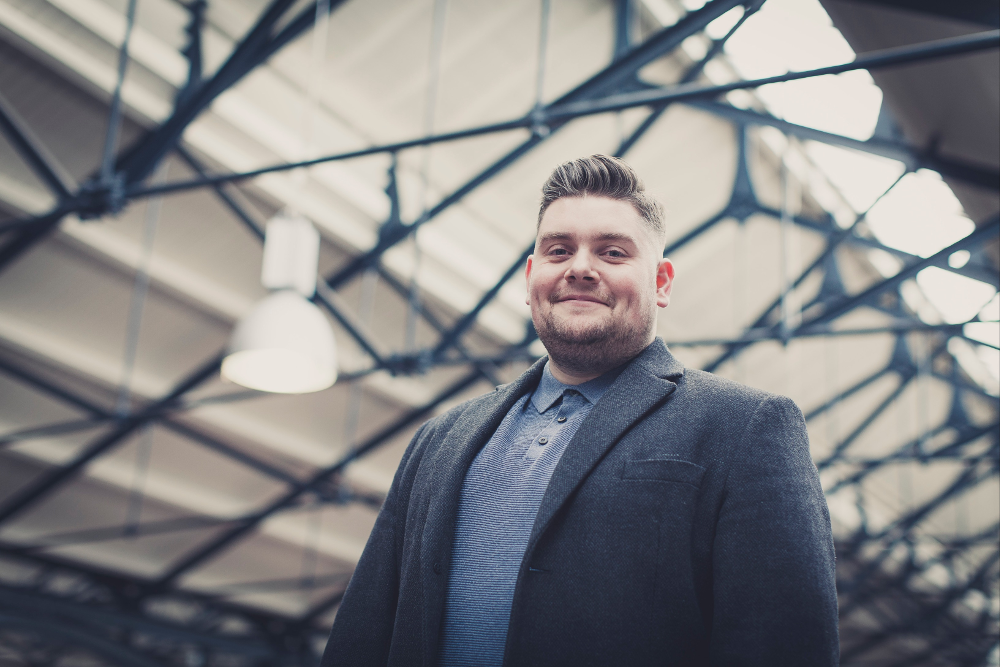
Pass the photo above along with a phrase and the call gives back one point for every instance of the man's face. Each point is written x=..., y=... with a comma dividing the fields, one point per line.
x=594, y=283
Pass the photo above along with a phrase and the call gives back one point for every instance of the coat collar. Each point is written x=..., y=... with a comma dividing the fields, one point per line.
x=645, y=383
x=448, y=466
x=639, y=387
x=550, y=389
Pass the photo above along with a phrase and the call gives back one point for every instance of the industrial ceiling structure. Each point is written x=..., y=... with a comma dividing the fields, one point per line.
x=153, y=514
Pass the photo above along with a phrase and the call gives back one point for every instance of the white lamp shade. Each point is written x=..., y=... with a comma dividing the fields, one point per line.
x=291, y=252
x=284, y=345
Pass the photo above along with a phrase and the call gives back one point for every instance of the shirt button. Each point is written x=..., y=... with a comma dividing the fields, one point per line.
x=437, y=568
x=542, y=440
x=560, y=419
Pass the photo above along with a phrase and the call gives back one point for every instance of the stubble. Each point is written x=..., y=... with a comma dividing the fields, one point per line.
x=585, y=348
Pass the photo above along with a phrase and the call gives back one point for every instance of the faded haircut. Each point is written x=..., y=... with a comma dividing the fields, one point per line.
x=603, y=176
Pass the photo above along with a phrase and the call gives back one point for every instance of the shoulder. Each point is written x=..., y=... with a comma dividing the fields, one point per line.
x=708, y=403
x=435, y=429
x=719, y=392
x=444, y=421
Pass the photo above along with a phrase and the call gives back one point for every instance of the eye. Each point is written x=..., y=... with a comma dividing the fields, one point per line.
x=558, y=251
x=615, y=253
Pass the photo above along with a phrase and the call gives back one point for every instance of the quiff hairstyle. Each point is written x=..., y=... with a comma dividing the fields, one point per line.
x=603, y=176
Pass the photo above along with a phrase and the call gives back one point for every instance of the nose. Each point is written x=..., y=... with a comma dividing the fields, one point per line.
x=582, y=267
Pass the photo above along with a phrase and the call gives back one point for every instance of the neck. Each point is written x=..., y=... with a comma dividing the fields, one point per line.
x=575, y=364
x=571, y=377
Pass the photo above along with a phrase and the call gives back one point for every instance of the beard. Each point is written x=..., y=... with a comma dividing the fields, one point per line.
x=595, y=346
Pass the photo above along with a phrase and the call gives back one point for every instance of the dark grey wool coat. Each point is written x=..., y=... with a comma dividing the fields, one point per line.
x=684, y=525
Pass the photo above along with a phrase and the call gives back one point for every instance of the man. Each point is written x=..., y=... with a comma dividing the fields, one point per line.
x=609, y=507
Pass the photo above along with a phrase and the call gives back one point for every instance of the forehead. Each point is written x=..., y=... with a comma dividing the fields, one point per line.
x=588, y=216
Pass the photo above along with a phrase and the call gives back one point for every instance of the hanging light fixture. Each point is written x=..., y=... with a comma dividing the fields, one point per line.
x=285, y=344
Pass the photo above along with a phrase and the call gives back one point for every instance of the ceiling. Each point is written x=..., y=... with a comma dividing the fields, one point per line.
x=164, y=494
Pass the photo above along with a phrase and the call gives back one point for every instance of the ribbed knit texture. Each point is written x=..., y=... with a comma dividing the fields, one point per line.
x=500, y=498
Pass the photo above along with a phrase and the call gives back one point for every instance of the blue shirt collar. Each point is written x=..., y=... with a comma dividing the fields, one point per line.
x=550, y=389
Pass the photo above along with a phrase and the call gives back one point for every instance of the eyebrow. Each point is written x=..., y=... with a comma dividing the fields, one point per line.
x=607, y=236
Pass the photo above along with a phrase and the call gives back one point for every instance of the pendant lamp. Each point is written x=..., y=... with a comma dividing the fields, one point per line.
x=285, y=344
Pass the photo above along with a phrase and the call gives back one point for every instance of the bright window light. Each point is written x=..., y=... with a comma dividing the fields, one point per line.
x=956, y=297
x=991, y=362
x=984, y=332
x=695, y=47
x=886, y=264
x=787, y=35
x=959, y=258
x=978, y=361
x=718, y=28
x=847, y=104
x=860, y=177
x=991, y=312
x=920, y=216
x=796, y=35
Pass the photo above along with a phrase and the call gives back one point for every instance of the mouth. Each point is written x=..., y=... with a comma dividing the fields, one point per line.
x=580, y=298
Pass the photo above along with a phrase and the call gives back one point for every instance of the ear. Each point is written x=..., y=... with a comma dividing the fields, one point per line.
x=527, y=280
x=664, y=282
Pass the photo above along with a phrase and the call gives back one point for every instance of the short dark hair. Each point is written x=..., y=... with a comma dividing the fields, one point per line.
x=603, y=176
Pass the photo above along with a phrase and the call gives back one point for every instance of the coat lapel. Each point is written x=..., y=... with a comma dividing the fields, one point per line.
x=642, y=386
x=448, y=466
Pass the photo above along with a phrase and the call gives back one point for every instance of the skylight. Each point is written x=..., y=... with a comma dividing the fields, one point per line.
x=919, y=215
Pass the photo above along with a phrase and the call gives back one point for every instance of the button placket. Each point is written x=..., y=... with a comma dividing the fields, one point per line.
x=545, y=437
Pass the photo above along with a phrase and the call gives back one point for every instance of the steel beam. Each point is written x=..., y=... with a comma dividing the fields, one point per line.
x=911, y=157
x=48, y=627
x=339, y=496
x=622, y=69
x=899, y=529
x=137, y=163
x=27, y=233
x=450, y=337
x=982, y=233
x=757, y=335
x=904, y=55
x=571, y=107
x=50, y=430
x=101, y=416
x=848, y=303
x=485, y=368
x=54, y=390
x=259, y=44
x=905, y=452
x=976, y=273
x=842, y=446
x=116, y=591
x=45, y=483
x=623, y=17
x=208, y=550
x=108, y=177
x=329, y=299
x=91, y=619
x=31, y=148
x=926, y=616
x=117, y=532
x=325, y=297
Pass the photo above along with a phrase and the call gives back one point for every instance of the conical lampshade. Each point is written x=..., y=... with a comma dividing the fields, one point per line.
x=284, y=345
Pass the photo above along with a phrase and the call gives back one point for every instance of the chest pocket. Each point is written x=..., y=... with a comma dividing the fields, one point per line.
x=665, y=470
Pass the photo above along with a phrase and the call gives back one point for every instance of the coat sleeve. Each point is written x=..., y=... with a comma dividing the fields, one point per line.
x=774, y=587
x=362, y=629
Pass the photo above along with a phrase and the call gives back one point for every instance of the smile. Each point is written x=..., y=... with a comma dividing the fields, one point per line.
x=577, y=299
